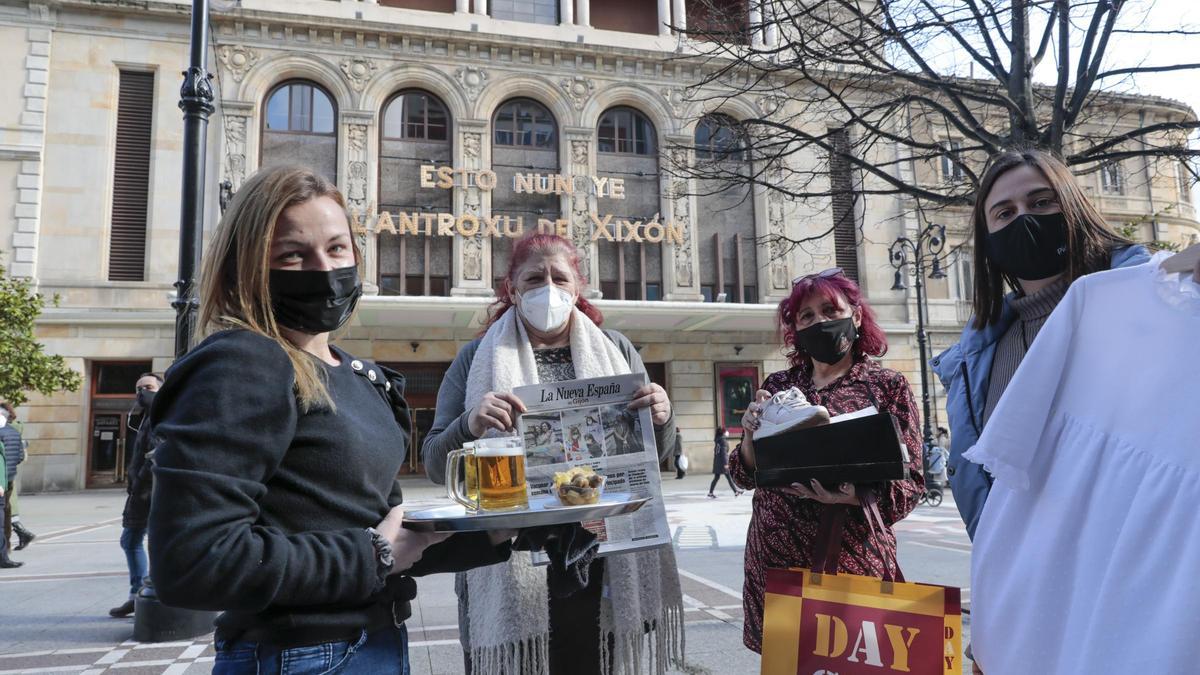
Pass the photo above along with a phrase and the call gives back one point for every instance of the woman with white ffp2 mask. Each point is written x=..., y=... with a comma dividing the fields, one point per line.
x=542, y=329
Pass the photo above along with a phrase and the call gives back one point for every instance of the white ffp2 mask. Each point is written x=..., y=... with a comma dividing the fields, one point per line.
x=546, y=308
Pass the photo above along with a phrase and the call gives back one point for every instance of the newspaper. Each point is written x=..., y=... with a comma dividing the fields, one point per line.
x=587, y=422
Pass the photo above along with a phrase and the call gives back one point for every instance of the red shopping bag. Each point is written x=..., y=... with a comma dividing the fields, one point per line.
x=819, y=623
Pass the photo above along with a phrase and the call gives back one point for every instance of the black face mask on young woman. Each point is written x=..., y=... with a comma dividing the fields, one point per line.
x=828, y=341
x=1031, y=247
x=314, y=301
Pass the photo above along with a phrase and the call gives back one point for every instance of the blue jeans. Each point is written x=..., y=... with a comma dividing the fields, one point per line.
x=383, y=651
x=135, y=556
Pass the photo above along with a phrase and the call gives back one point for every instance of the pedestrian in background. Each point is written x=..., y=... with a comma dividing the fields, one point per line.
x=721, y=463
x=14, y=454
x=5, y=561
x=1035, y=232
x=139, y=481
x=832, y=335
x=681, y=462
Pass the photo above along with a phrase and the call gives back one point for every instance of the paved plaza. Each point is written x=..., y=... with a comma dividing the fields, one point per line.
x=55, y=608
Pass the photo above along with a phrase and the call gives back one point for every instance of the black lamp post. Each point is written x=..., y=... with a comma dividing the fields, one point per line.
x=916, y=255
x=196, y=101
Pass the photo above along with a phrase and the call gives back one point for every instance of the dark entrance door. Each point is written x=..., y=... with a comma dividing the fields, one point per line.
x=422, y=380
x=112, y=396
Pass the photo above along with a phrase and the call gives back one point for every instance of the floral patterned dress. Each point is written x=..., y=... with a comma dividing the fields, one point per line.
x=783, y=526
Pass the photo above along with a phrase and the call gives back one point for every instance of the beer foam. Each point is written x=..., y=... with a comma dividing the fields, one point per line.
x=507, y=451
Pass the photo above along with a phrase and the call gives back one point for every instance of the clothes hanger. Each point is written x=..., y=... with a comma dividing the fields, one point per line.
x=1185, y=261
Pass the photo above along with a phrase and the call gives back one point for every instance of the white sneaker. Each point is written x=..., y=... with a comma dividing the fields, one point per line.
x=788, y=410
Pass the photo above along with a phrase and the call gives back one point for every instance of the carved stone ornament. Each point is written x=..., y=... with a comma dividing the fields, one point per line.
x=769, y=104
x=356, y=190
x=579, y=89
x=579, y=152
x=777, y=246
x=676, y=99
x=359, y=71
x=681, y=206
x=471, y=141
x=235, y=149
x=472, y=80
x=237, y=60
x=357, y=137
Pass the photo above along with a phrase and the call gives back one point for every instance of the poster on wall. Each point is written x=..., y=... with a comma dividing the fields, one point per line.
x=736, y=385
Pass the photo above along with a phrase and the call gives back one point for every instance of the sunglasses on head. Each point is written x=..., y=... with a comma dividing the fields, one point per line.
x=831, y=272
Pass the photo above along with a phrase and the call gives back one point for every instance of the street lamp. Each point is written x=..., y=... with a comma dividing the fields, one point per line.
x=914, y=255
x=196, y=101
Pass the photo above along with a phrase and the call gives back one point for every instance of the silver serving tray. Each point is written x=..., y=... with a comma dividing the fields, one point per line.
x=546, y=510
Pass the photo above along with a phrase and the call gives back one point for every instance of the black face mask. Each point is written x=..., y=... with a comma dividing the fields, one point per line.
x=828, y=341
x=314, y=301
x=1031, y=247
x=145, y=398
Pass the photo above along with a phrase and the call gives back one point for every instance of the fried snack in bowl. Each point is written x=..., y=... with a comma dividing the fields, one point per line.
x=581, y=485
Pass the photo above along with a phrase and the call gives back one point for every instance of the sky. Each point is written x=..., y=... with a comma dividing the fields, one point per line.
x=1128, y=50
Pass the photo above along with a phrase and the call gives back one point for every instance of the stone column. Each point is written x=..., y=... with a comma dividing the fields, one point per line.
x=581, y=203
x=771, y=31
x=584, y=16
x=462, y=6
x=481, y=7
x=664, y=17
x=679, y=12
x=359, y=189
x=472, y=255
x=679, y=208
x=756, y=24
x=566, y=10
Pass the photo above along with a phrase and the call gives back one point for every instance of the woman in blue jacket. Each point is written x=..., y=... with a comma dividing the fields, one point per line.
x=1035, y=233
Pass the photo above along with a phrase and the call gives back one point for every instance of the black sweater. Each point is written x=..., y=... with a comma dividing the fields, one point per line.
x=260, y=510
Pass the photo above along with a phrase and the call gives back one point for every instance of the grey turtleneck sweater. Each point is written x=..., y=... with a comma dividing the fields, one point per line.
x=1032, y=312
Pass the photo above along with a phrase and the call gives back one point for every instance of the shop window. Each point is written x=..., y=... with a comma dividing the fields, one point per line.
x=299, y=127
x=736, y=385
x=415, y=130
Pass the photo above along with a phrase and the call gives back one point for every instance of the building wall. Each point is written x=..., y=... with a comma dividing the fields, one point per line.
x=57, y=126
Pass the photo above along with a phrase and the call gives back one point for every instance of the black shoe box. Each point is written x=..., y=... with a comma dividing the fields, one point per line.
x=861, y=450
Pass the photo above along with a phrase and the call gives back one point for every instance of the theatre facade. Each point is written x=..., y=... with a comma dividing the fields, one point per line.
x=452, y=127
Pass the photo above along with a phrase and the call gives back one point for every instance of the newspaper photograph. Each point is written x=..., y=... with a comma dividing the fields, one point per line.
x=588, y=423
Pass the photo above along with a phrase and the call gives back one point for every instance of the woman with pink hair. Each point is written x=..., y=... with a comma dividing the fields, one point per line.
x=832, y=335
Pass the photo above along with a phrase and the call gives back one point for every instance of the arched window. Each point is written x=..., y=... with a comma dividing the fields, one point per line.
x=626, y=131
x=525, y=143
x=416, y=115
x=628, y=152
x=415, y=130
x=725, y=207
x=526, y=123
x=720, y=137
x=299, y=127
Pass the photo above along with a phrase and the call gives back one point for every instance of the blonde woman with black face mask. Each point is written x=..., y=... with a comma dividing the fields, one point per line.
x=275, y=499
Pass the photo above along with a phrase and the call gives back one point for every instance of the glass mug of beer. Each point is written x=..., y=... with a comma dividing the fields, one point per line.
x=494, y=475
